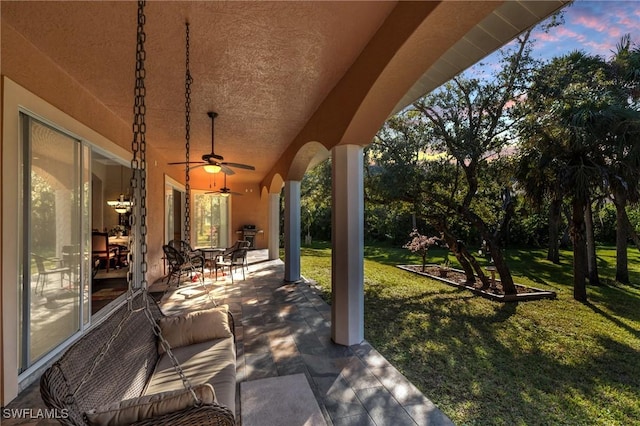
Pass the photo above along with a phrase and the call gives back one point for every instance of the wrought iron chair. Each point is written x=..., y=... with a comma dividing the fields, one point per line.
x=236, y=259
x=179, y=265
x=194, y=256
x=225, y=257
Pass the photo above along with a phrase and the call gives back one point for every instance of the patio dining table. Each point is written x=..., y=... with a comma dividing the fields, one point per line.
x=211, y=255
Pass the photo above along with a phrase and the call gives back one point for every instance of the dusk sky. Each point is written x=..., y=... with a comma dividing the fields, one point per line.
x=593, y=26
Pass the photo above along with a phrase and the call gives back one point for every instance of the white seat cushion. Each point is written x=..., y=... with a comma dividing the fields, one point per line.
x=212, y=362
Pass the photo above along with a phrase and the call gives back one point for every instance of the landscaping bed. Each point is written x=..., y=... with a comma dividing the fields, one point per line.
x=457, y=277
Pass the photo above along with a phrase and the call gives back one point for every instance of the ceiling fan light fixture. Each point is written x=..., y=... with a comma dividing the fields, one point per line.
x=121, y=205
x=212, y=168
x=224, y=194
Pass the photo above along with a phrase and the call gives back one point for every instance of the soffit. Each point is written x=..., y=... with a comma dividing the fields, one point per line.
x=497, y=29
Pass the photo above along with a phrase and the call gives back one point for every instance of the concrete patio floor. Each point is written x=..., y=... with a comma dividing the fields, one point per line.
x=284, y=328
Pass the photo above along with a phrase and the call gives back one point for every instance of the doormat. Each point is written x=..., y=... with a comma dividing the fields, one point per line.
x=277, y=401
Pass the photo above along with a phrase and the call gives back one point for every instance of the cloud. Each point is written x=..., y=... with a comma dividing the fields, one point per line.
x=602, y=49
x=566, y=33
x=594, y=27
x=591, y=22
x=547, y=37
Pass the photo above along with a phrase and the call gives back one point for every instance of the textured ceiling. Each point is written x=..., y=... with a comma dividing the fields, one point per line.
x=265, y=67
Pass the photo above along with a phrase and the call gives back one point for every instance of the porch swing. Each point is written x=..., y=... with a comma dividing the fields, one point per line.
x=178, y=370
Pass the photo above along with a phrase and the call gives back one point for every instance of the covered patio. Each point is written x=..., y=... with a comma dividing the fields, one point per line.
x=293, y=83
x=284, y=329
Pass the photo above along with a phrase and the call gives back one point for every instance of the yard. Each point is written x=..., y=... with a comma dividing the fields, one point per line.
x=483, y=362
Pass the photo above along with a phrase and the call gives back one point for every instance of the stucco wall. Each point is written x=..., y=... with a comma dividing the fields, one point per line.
x=44, y=89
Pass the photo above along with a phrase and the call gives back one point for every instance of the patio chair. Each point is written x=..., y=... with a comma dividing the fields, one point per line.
x=193, y=255
x=179, y=265
x=235, y=260
x=43, y=273
x=245, y=245
x=225, y=257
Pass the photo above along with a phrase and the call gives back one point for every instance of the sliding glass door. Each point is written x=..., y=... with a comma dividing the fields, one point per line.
x=210, y=223
x=55, y=221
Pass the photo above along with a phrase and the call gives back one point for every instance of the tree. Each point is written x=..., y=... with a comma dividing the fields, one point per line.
x=420, y=244
x=469, y=121
x=573, y=113
x=537, y=175
x=620, y=125
x=392, y=175
x=315, y=201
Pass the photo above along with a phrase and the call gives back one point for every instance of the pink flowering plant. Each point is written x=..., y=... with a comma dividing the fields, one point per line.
x=420, y=244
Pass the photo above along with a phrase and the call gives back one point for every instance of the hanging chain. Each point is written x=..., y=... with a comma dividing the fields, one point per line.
x=137, y=146
x=187, y=104
x=139, y=168
x=139, y=163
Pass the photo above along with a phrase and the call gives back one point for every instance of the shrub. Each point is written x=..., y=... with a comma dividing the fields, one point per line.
x=420, y=244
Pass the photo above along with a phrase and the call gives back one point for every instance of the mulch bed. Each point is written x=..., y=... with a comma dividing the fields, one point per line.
x=458, y=278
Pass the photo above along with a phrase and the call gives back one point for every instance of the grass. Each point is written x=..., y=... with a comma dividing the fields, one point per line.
x=548, y=362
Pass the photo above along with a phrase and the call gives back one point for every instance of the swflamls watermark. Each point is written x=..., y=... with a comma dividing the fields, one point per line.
x=34, y=413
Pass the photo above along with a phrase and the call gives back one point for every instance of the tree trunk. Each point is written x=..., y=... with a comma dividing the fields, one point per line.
x=463, y=256
x=592, y=260
x=622, y=233
x=496, y=253
x=579, y=251
x=555, y=217
x=632, y=232
x=501, y=265
x=565, y=241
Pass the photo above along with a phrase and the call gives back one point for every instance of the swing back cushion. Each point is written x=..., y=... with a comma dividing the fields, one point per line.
x=133, y=378
x=195, y=327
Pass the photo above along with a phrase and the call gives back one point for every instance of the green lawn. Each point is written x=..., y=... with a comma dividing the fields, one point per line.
x=548, y=362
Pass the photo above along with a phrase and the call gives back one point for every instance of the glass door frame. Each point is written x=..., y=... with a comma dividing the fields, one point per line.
x=82, y=165
x=174, y=186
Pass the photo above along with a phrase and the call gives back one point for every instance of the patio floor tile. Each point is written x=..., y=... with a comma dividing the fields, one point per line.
x=284, y=328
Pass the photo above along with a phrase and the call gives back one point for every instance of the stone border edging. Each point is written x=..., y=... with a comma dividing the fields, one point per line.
x=538, y=294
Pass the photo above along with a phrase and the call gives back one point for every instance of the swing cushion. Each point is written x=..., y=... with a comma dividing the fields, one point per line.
x=195, y=327
x=149, y=406
x=213, y=362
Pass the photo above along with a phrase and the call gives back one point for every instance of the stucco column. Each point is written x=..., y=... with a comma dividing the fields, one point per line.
x=347, y=254
x=274, y=226
x=292, y=230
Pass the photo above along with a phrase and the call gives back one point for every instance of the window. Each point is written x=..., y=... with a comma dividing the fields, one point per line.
x=210, y=225
x=55, y=206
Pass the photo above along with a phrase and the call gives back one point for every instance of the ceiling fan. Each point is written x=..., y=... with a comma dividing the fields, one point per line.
x=214, y=163
x=224, y=191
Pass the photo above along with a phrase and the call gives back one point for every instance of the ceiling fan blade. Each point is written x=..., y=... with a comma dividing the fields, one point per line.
x=184, y=162
x=226, y=170
x=216, y=193
x=238, y=165
x=219, y=194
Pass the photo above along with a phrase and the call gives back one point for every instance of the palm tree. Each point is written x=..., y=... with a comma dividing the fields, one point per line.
x=622, y=127
x=556, y=136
